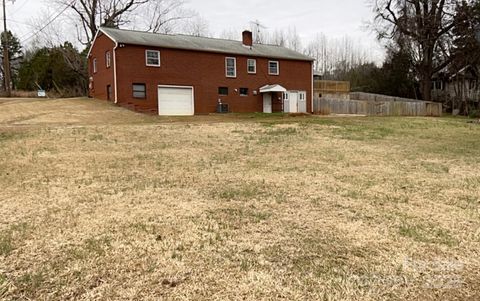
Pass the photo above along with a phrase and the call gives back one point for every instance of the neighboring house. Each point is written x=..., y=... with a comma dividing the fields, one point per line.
x=187, y=75
x=459, y=88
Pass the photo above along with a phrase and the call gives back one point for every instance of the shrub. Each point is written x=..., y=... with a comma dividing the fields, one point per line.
x=474, y=114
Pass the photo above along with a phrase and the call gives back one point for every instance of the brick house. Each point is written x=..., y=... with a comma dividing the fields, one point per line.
x=187, y=75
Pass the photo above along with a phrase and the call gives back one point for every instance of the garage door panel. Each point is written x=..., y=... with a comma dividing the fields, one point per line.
x=175, y=101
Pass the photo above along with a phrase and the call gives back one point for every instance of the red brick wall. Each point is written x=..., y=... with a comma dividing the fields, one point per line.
x=104, y=75
x=202, y=70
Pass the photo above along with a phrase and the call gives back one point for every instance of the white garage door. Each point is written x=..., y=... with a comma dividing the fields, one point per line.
x=175, y=101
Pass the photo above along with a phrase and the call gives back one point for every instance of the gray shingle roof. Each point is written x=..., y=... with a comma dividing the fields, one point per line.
x=201, y=44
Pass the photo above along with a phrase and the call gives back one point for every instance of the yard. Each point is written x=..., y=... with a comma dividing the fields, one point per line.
x=100, y=203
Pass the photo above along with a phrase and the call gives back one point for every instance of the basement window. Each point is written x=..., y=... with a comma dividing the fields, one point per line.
x=252, y=66
x=223, y=91
x=273, y=68
x=139, y=91
x=152, y=58
x=108, y=59
x=231, y=66
x=243, y=91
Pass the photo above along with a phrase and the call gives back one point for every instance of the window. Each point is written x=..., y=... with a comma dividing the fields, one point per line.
x=252, y=66
x=153, y=58
x=223, y=91
x=94, y=65
x=139, y=91
x=273, y=68
x=243, y=91
x=231, y=66
x=108, y=59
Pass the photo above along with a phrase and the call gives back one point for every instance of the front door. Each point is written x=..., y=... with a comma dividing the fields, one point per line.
x=293, y=102
x=267, y=103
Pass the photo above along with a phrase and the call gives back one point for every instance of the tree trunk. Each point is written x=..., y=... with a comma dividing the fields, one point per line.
x=427, y=88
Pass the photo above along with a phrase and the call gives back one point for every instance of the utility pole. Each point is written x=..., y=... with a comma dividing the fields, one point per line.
x=6, y=60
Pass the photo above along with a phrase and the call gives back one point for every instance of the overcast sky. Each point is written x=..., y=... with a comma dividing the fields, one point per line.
x=334, y=18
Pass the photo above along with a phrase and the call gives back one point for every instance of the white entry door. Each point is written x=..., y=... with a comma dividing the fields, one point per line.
x=267, y=103
x=175, y=101
x=302, y=102
x=292, y=105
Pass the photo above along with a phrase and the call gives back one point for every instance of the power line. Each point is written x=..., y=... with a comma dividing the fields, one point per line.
x=48, y=23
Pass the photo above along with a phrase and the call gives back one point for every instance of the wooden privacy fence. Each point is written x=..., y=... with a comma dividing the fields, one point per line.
x=379, y=97
x=331, y=87
x=326, y=106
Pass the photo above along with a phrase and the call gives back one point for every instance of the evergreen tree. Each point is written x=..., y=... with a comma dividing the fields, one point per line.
x=15, y=56
x=61, y=69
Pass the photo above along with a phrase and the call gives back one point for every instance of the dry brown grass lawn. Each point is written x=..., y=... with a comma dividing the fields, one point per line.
x=100, y=203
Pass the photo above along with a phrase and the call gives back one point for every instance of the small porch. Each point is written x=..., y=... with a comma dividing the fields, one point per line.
x=277, y=99
x=273, y=96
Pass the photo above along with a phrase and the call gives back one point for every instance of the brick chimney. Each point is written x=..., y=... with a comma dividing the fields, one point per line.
x=247, y=38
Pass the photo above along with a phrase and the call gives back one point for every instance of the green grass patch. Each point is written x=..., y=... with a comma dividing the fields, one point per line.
x=243, y=192
x=7, y=136
x=12, y=237
x=427, y=234
x=29, y=283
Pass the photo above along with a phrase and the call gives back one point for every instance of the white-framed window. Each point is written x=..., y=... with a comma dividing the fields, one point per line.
x=108, y=59
x=152, y=58
x=252, y=66
x=231, y=67
x=94, y=63
x=273, y=68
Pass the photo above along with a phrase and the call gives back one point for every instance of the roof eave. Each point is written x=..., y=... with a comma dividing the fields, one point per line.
x=306, y=59
x=100, y=29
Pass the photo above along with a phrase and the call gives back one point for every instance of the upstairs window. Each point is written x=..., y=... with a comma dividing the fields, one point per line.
x=153, y=58
x=231, y=67
x=243, y=91
x=108, y=59
x=139, y=91
x=273, y=68
x=252, y=66
x=94, y=65
x=223, y=91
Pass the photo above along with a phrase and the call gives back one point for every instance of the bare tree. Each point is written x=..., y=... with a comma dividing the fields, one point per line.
x=334, y=55
x=294, y=41
x=230, y=34
x=424, y=28
x=278, y=38
x=91, y=14
x=196, y=26
x=162, y=16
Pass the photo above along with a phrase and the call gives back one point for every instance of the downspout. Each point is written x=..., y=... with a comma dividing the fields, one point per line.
x=311, y=78
x=115, y=71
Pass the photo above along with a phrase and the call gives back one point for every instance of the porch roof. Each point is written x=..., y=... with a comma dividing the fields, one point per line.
x=272, y=88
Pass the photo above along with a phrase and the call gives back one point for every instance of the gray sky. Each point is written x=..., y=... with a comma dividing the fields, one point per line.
x=334, y=18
